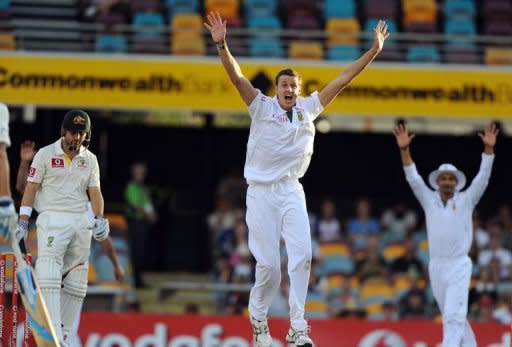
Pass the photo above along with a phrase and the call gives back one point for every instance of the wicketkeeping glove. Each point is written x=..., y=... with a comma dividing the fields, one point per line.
x=101, y=229
x=8, y=218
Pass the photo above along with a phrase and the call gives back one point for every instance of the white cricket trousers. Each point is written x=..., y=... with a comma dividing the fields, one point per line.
x=450, y=278
x=273, y=211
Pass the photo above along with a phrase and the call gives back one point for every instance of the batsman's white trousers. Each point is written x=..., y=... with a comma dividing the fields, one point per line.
x=63, y=242
x=450, y=278
x=275, y=210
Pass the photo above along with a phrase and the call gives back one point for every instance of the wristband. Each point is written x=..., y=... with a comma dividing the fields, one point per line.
x=25, y=211
x=220, y=45
x=404, y=148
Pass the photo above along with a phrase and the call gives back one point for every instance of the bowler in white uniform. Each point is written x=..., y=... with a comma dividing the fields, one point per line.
x=448, y=213
x=279, y=150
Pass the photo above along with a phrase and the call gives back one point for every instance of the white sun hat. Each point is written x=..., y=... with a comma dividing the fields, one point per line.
x=459, y=175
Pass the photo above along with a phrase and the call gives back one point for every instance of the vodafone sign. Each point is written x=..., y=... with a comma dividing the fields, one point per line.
x=152, y=330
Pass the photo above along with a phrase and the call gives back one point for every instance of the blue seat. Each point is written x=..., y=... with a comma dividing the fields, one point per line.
x=343, y=52
x=4, y=4
x=181, y=6
x=336, y=264
x=111, y=43
x=339, y=9
x=459, y=9
x=264, y=22
x=423, y=54
x=148, y=24
x=260, y=8
x=270, y=47
x=460, y=27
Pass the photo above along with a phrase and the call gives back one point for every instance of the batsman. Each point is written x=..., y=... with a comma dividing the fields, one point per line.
x=448, y=212
x=61, y=177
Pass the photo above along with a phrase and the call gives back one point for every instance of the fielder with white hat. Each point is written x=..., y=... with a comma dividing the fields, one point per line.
x=448, y=213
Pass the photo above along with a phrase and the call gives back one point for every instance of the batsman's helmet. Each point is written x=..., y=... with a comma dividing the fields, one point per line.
x=77, y=120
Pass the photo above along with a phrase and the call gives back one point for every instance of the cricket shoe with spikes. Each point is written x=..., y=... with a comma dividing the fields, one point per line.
x=260, y=332
x=299, y=338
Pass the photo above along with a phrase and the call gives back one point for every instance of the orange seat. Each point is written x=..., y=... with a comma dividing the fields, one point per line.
x=306, y=50
x=392, y=252
x=186, y=26
x=337, y=248
x=226, y=8
x=7, y=42
x=343, y=31
x=189, y=47
x=498, y=56
x=422, y=11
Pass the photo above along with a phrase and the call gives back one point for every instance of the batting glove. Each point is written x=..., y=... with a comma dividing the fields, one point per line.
x=8, y=218
x=101, y=229
x=21, y=230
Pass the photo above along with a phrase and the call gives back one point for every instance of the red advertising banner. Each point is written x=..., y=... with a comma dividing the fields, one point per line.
x=152, y=330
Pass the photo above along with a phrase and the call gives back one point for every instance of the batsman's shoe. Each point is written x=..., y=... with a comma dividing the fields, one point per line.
x=261, y=333
x=299, y=338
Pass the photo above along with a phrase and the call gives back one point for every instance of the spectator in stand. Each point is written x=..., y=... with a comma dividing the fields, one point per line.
x=221, y=223
x=233, y=188
x=495, y=250
x=347, y=300
x=481, y=235
x=399, y=219
x=223, y=273
x=140, y=215
x=329, y=227
x=96, y=9
x=485, y=310
x=389, y=312
x=363, y=224
x=503, y=313
x=408, y=263
x=372, y=264
x=413, y=304
x=484, y=285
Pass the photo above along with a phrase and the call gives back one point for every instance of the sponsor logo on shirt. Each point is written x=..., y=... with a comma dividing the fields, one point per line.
x=280, y=118
x=82, y=164
x=50, y=241
x=32, y=171
x=300, y=116
x=57, y=162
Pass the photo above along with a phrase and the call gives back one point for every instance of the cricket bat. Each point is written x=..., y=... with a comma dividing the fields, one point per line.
x=33, y=301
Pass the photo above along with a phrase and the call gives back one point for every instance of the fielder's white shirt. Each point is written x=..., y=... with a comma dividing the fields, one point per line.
x=64, y=183
x=278, y=148
x=4, y=125
x=450, y=227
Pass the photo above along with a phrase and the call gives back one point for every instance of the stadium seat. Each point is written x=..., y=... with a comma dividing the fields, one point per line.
x=226, y=8
x=316, y=306
x=371, y=23
x=339, y=9
x=391, y=53
x=342, y=31
x=334, y=265
x=303, y=21
x=260, y=8
x=374, y=311
x=305, y=50
x=461, y=55
x=343, y=52
x=188, y=47
x=376, y=293
x=148, y=25
x=335, y=283
x=459, y=9
x=111, y=43
x=493, y=8
x=423, y=54
x=498, y=26
x=187, y=26
x=264, y=22
x=7, y=42
x=4, y=4
x=110, y=19
x=145, y=5
x=498, y=56
x=334, y=248
x=392, y=252
x=269, y=47
x=181, y=6
x=419, y=11
x=149, y=45
x=402, y=284
x=422, y=252
x=460, y=27
x=381, y=9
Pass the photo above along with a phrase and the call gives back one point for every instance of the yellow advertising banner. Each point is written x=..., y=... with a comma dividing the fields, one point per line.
x=201, y=84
